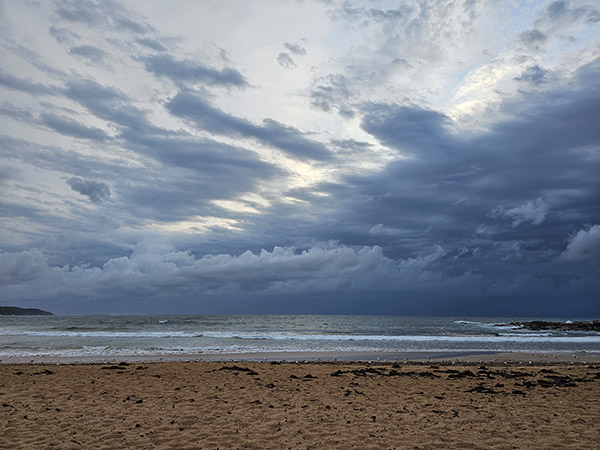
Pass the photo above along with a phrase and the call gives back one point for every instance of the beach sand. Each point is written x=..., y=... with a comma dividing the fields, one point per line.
x=377, y=405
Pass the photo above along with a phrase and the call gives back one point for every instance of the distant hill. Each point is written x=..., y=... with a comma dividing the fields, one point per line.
x=16, y=311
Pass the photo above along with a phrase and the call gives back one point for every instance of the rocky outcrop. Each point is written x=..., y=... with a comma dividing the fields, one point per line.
x=540, y=325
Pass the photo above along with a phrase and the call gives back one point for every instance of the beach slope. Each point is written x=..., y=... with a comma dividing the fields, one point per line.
x=179, y=405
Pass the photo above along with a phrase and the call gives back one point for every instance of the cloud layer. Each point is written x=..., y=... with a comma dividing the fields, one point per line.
x=319, y=157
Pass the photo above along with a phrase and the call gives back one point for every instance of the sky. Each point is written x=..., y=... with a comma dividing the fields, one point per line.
x=339, y=157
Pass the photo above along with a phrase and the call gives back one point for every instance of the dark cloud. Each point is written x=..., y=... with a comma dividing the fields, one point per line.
x=351, y=12
x=90, y=52
x=286, y=61
x=291, y=140
x=63, y=35
x=385, y=14
x=324, y=268
x=363, y=277
x=132, y=25
x=109, y=104
x=561, y=10
x=216, y=170
x=70, y=127
x=25, y=85
x=84, y=12
x=351, y=146
x=509, y=198
x=10, y=110
x=89, y=92
x=540, y=158
x=557, y=9
x=206, y=170
x=178, y=180
x=210, y=118
x=101, y=13
x=333, y=93
x=513, y=209
x=96, y=191
x=592, y=16
x=533, y=38
x=179, y=176
x=408, y=127
x=401, y=63
x=193, y=71
x=61, y=160
x=191, y=195
x=460, y=221
x=533, y=75
x=495, y=238
x=21, y=267
x=295, y=49
x=151, y=43
x=6, y=174
x=35, y=59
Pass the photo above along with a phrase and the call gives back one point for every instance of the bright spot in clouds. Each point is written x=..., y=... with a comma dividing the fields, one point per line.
x=413, y=157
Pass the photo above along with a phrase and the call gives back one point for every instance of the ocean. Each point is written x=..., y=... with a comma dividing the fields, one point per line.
x=113, y=337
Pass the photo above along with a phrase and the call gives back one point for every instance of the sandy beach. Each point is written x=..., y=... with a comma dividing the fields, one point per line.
x=189, y=405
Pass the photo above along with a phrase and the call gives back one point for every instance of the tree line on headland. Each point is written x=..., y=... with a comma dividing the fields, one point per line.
x=16, y=311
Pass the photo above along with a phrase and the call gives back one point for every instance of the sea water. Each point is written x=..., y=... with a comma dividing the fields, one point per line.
x=107, y=337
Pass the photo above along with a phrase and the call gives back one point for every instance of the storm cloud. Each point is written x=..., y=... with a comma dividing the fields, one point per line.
x=352, y=159
x=325, y=268
x=96, y=191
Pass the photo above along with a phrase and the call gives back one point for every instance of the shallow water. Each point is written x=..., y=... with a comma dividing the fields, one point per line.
x=113, y=336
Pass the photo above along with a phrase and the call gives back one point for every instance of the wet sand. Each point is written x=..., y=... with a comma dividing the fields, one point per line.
x=179, y=405
x=443, y=357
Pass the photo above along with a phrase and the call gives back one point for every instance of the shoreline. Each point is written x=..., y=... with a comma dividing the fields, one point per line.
x=488, y=357
x=319, y=405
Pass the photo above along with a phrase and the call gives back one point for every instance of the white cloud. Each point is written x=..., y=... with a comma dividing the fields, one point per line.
x=91, y=92
x=585, y=245
x=534, y=212
x=323, y=268
x=382, y=230
x=21, y=267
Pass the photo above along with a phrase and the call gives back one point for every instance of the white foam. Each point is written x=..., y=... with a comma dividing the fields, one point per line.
x=536, y=337
x=479, y=324
x=289, y=336
x=102, y=334
x=529, y=334
x=110, y=352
